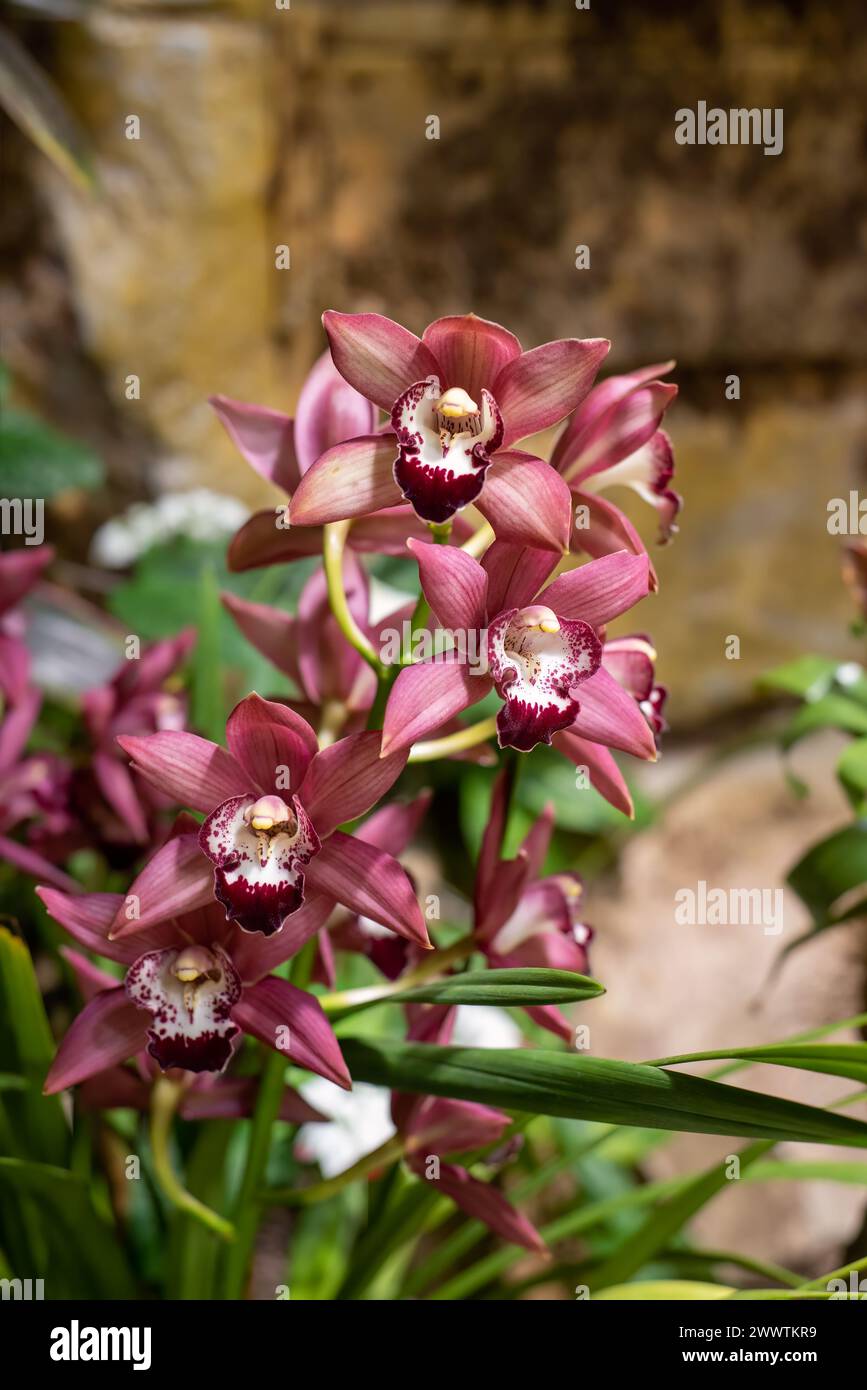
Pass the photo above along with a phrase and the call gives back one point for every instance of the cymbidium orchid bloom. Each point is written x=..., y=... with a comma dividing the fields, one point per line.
x=614, y=439
x=282, y=450
x=543, y=644
x=270, y=848
x=206, y=1095
x=193, y=984
x=458, y=399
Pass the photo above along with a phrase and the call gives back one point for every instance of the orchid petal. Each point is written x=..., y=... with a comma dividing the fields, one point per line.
x=392, y=827
x=376, y=355
x=443, y=1126
x=527, y=502
x=599, y=590
x=118, y=788
x=264, y=437
x=258, y=874
x=536, y=661
x=108, y=1030
x=371, y=883
x=470, y=351
x=191, y=770
x=266, y=739
x=192, y=1026
x=19, y=571
x=515, y=573
x=484, y=1203
x=454, y=584
x=269, y=630
x=348, y=480
x=268, y=539
x=609, y=715
x=601, y=767
x=36, y=865
x=426, y=695
x=441, y=466
x=543, y=385
x=347, y=778
x=329, y=411
x=292, y=1022
x=177, y=879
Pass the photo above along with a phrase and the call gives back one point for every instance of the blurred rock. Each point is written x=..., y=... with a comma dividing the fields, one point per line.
x=674, y=989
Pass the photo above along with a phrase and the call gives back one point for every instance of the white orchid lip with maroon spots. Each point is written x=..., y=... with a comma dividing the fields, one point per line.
x=190, y=994
x=258, y=847
x=536, y=661
x=445, y=441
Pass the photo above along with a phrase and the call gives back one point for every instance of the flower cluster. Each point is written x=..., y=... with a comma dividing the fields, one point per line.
x=284, y=838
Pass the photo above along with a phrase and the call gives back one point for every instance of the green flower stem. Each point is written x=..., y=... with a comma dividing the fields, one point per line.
x=454, y=743
x=333, y=545
x=479, y=541
x=166, y=1096
x=248, y=1209
x=387, y=1153
x=434, y=965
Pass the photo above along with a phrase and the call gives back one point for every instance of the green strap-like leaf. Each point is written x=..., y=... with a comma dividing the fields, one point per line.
x=593, y=1088
x=505, y=987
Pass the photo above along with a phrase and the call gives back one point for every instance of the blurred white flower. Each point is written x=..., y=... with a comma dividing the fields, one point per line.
x=361, y=1121
x=481, y=1026
x=200, y=514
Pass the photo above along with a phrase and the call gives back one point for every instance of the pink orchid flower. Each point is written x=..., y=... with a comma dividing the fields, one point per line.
x=614, y=439
x=269, y=848
x=282, y=451
x=134, y=701
x=206, y=1095
x=542, y=644
x=193, y=984
x=458, y=398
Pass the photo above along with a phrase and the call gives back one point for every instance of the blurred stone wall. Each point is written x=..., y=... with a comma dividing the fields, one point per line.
x=307, y=127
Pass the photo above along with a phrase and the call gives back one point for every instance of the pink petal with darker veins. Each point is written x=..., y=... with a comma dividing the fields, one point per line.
x=600, y=590
x=426, y=695
x=329, y=411
x=191, y=770
x=108, y=1030
x=267, y=739
x=454, y=584
x=177, y=879
x=264, y=437
x=262, y=541
x=291, y=1021
x=470, y=352
x=609, y=715
x=527, y=502
x=542, y=386
x=370, y=882
x=348, y=480
x=347, y=778
x=376, y=355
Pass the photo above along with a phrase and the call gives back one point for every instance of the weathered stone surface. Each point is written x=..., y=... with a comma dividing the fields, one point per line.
x=675, y=989
x=170, y=258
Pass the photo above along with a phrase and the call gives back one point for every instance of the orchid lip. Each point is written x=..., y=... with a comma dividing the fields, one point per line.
x=445, y=443
x=259, y=847
x=189, y=994
x=536, y=659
